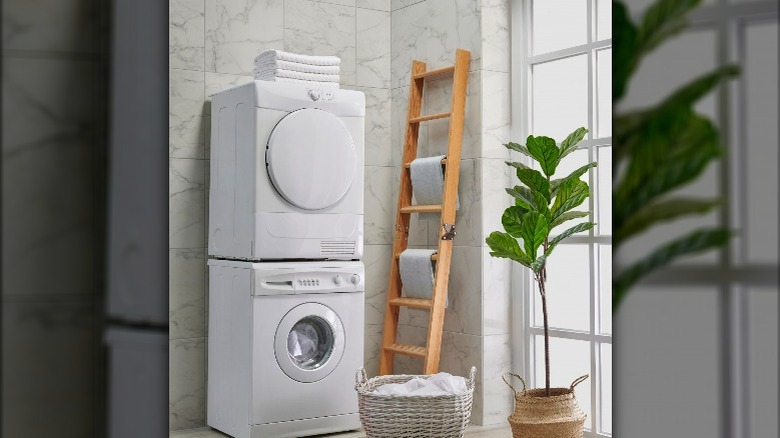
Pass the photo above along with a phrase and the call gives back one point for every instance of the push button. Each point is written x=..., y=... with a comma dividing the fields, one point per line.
x=315, y=94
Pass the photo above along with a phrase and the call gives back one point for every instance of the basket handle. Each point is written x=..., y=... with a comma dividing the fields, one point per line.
x=360, y=377
x=504, y=377
x=472, y=376
x=577, y=381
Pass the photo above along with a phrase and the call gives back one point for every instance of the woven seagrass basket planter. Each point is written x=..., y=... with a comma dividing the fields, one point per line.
x=538, y=416
x=401, y=416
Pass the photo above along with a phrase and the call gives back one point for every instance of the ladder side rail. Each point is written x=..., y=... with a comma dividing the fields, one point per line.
x=401, y=231
x=449, y=202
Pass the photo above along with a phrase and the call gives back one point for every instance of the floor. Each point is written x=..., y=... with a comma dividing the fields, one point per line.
x=499, y=431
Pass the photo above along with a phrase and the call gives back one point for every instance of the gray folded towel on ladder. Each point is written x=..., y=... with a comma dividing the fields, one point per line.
x=428, y=184
x=417, y=273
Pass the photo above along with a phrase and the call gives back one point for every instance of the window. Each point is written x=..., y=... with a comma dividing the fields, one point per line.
x=563, y=80
x=735, y=289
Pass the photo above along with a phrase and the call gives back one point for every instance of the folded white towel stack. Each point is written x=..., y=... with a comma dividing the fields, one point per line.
x=275, y=65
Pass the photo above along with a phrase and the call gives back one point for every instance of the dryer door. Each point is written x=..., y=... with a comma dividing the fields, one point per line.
x=309, y=342
x=311, y=159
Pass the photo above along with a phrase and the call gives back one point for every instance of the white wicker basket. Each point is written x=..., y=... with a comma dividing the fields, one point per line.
x=412, y=416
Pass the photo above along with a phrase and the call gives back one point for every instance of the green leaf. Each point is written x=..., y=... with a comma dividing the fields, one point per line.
x=538, y=264
x=666, y=178
x=542, y=204
x=662, y=211
x=534, y=231
x=512, y=220
x=517, y=147
x=544, y=150
x=516, y=165
x=535, y=181
x=574, y=175
x=570, y=144
x=505, y=246
x=663, y=19
x=693, y=243
x=575, y=229
x=624, y=54
x=571, y=194
x=523, y=197
x=567, y=216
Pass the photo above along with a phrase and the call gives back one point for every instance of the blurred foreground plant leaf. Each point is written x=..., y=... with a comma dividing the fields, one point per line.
x=658, y=150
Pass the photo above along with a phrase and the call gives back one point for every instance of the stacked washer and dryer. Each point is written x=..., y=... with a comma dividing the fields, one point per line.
x=286, y=284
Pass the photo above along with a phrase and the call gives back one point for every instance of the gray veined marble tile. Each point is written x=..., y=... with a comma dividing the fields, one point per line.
x=377, y=260
x=379, y=5
x=378, y=119
x=496, y=177
x=453, y=25
x=495, y=114
x=187, y=293
x=315, y=28
x=373, y=48
x=70, y=26
x=464, y=314
x=496, y=294
x=372, y=345
x=39, y=111
x=398, y=4
x=237, y=30
x=186, y=185
x=186, y=125
x=378, y=219
x=495, y=35
x=338, y=2
x=49, y=176
x=408, y=40
x=497, y=398
x=50, y=356
x=187, y=383
x=186, y=37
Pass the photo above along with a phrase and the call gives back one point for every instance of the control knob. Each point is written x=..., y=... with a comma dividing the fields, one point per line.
x=337, y=280
x=354, y=279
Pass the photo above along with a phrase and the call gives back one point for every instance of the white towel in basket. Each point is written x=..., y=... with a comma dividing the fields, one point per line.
x=437, y=384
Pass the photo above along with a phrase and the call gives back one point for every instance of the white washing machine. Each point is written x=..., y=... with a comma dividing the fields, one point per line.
x=285, y=340
x=286, y=173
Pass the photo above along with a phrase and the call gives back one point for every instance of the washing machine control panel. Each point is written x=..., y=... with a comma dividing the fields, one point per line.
x=310, y=281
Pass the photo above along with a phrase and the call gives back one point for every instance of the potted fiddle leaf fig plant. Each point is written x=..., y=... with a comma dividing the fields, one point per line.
x=542, y=206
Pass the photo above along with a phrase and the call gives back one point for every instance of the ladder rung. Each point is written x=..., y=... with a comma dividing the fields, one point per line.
x=434, y=256
x=417, y=303
x=429, y=117
x=421, y=209
x=409, y=350
x=443, y=163
x=446, y=71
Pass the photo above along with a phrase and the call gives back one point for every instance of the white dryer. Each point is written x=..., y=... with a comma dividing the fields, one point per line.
x=286, y=173
x=285, y=341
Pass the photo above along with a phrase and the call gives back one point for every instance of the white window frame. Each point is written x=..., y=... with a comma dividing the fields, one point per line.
x=523, y=328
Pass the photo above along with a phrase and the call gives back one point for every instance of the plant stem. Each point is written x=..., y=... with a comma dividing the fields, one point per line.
x=540, y=279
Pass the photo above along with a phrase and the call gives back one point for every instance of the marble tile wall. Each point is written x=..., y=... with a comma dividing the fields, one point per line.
x=54, y=77
x=212, y=46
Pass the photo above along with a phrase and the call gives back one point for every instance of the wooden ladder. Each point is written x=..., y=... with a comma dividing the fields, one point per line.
x=390, y=347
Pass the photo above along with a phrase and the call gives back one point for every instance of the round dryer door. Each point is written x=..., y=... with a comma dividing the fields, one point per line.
x=309, y=342
x=311, y=159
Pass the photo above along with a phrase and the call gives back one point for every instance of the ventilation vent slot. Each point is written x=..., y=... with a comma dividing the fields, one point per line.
x=337, y=248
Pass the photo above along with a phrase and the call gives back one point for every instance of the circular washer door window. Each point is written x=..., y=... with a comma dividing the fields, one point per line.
x=311, y=159
x=309, y=342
